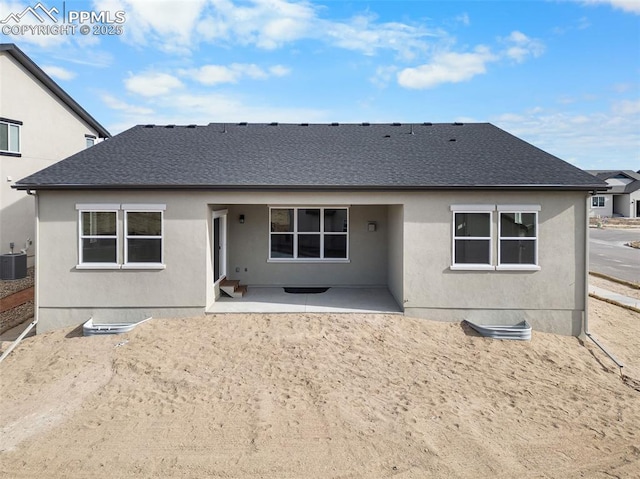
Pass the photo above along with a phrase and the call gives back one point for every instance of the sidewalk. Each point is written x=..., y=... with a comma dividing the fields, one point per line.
x=615, y=297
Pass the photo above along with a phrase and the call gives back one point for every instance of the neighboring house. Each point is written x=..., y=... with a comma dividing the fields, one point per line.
x=39, y=125
x=623, y=196
x=457, y=221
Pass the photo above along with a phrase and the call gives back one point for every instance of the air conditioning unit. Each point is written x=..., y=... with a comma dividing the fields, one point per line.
x=13, y=266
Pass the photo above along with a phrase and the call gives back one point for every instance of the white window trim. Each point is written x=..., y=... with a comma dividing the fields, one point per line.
x=455, y=209
x=146, y=266
x=9, y=125
x=120, y=235
x=321, y=233
x=518, y=267
x=604, y=202
x=142, y=207
x=490, y=208
x=472, y=267
x=473, y=208
x=98, y=207
x=111, y=266
x=518, y=209
x=130, y=208
x=104, y=208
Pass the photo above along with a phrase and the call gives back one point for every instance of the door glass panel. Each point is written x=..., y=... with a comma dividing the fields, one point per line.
x=216, y=249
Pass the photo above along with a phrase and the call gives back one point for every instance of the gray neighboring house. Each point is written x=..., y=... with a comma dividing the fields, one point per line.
x=623, y=197
x=457, y=221
x=39, y=125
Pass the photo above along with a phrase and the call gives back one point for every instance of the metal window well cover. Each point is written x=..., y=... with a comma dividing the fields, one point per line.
x=520, y=331
x=92, y=329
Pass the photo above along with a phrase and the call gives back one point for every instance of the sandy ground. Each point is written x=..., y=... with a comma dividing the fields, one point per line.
x=614, y=287
x=322, y=396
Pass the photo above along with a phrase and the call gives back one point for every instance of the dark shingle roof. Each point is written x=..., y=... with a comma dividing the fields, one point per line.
x=605, y=175
x=46, y=80
x=345, y=156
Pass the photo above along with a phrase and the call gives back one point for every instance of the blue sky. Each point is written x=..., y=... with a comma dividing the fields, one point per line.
x=563, y=75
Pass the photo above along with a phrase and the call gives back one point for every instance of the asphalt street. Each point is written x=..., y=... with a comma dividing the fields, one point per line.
x=609, y=255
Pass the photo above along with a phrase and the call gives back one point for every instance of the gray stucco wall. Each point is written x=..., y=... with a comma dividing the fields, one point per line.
x=634, y=204
x=605, y=211
x=552, y=299
x=625, y=204
x=249, y=250
x=410, y=252
x=395, y=259
x=50, y=132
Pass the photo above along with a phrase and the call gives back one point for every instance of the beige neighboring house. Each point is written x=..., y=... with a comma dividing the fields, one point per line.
x=450, y=221
x=622, y=199
x=40, y=124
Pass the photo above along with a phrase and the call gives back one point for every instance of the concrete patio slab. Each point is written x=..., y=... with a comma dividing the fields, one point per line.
x=334, y=300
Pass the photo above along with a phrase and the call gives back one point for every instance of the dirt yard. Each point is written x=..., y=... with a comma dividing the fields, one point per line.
x=322, y=396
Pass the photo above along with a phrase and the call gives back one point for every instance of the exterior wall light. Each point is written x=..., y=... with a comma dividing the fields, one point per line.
x=371, y=226
x=241, y=219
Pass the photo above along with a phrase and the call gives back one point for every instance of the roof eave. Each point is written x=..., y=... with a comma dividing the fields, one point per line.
x=590, y=187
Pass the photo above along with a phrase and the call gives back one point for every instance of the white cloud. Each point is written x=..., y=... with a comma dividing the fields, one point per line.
x=362, y=33
x=383, y=75
x=178, y=27
x=626, y=107
x=213, y=74
x=216, y=74
x=622, y=87
x=279, y=70
x=464, y=19
x=205, y=108
x=631, y=6
x=196, y=108
x=43, y=41
x=58, y=72
x=266, y=23
x=583, y=23
x=454, y=67
x=600, y=139
x=116, y=104
x=152, y=84
x=167, y=23
x=521, y=46
x=447, y=68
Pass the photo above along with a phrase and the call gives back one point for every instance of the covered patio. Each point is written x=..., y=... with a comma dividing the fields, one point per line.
x=333, y=300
